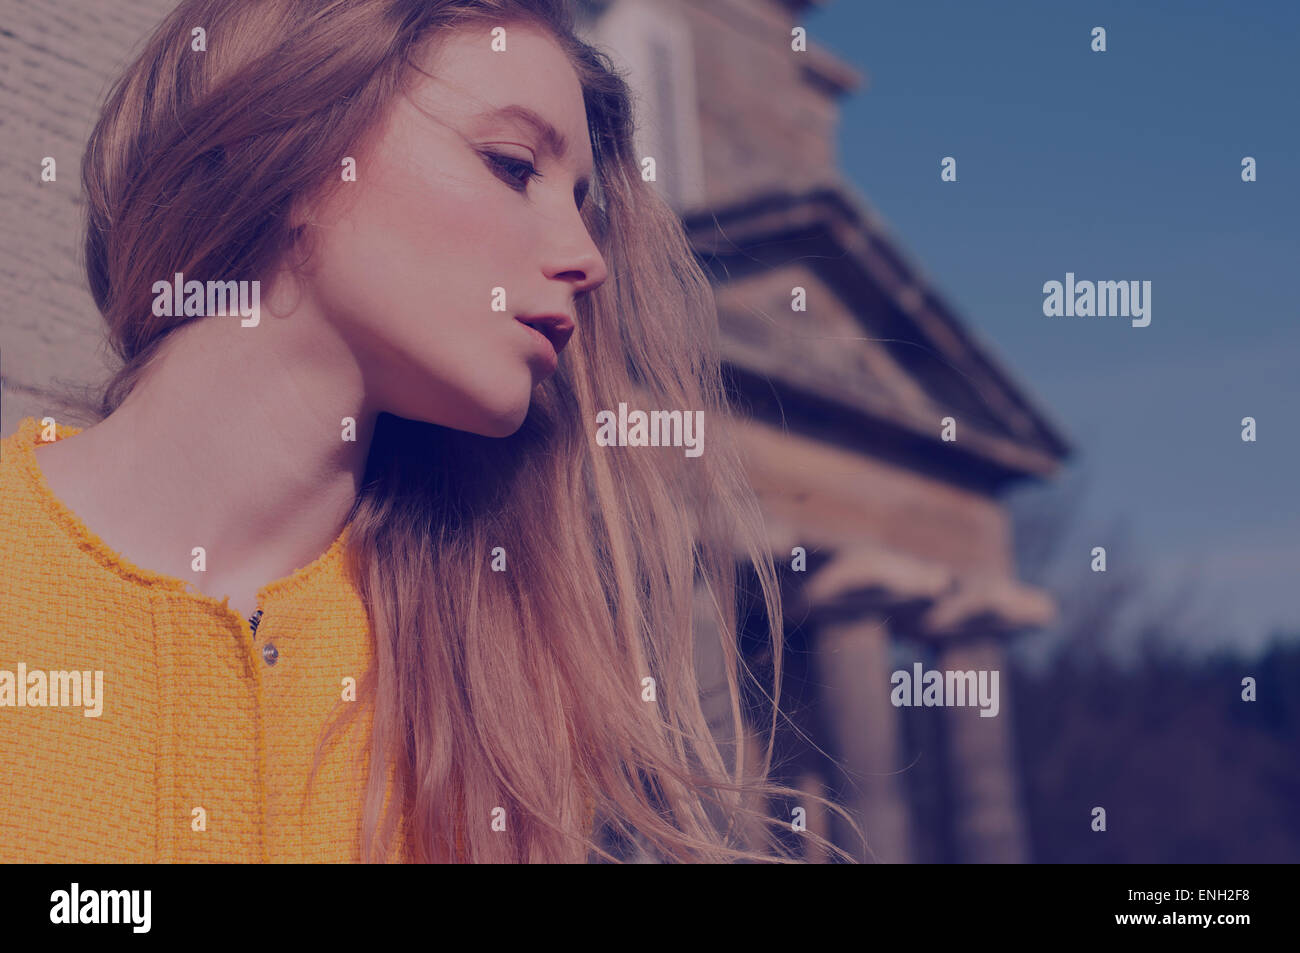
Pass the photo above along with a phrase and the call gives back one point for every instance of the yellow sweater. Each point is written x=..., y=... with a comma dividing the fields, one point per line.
x=202, y=745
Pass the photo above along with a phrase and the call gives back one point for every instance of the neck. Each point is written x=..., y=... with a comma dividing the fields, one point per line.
x=234, y=441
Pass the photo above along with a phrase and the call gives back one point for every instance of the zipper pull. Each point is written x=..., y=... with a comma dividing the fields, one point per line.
x=254, y=621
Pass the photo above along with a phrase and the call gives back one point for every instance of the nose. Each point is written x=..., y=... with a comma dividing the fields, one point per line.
x=577, y=259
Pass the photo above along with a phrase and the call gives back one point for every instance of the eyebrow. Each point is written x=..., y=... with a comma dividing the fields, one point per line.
x=553, y=141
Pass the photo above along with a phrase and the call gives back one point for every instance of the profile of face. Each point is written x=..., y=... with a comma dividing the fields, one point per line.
x=460, y=199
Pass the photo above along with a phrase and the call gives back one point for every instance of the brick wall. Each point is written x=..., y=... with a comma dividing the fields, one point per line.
x=57, y=60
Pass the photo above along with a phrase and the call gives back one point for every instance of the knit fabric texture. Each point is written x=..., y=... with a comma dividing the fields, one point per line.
x=204, y=745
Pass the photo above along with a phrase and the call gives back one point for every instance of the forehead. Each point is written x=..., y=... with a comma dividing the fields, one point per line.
x=483, y=87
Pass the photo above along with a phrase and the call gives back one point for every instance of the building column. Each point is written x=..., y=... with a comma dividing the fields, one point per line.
x=988, y=822
x=852, y=662
x=969, y=626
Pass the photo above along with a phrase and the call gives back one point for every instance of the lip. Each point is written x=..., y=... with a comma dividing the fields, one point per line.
x=556, y=329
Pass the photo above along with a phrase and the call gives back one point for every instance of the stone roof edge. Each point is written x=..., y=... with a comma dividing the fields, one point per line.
x=838, y=208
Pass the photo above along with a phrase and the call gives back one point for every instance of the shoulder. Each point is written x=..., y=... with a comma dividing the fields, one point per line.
x=17, y=487
x=37, y=553
x=22, y=486
x=17, y=451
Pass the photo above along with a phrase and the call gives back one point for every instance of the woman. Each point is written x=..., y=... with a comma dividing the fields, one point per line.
x=340, y=249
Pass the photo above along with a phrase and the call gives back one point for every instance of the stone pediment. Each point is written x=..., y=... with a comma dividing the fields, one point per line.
x=875, y=339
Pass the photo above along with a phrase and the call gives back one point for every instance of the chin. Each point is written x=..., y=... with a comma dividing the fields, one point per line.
x=490, y=406
x=501, y=416
x=501, y=426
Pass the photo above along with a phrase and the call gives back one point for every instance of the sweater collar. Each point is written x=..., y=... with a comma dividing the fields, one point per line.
x=326, y=568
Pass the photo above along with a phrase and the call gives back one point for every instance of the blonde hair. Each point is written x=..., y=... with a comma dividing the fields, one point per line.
x=520, y=689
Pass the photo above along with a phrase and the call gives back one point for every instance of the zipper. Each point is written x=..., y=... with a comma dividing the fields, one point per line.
x=254, y=621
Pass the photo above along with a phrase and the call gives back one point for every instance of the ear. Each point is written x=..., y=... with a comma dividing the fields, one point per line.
x=303, y=216
x=325, y=202
x=302, y=212
x=301, y=220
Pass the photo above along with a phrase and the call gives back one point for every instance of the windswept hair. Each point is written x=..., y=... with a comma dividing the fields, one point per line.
x=521, y=689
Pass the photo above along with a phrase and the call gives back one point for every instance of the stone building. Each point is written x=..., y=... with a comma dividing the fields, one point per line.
x=908, y=547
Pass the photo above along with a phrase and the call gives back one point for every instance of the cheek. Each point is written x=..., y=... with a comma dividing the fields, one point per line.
x=418, y=252
x=405, y=271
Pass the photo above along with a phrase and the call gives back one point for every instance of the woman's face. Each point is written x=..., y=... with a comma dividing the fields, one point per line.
x=445, y=220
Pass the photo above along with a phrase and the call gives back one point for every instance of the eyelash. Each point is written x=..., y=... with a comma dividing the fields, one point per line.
x=499, y=162
x=503, y=162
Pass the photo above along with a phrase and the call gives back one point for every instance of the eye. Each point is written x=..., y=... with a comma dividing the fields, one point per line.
x=514, y=172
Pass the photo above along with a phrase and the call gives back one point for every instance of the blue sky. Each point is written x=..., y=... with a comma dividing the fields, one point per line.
x=1119, y=165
